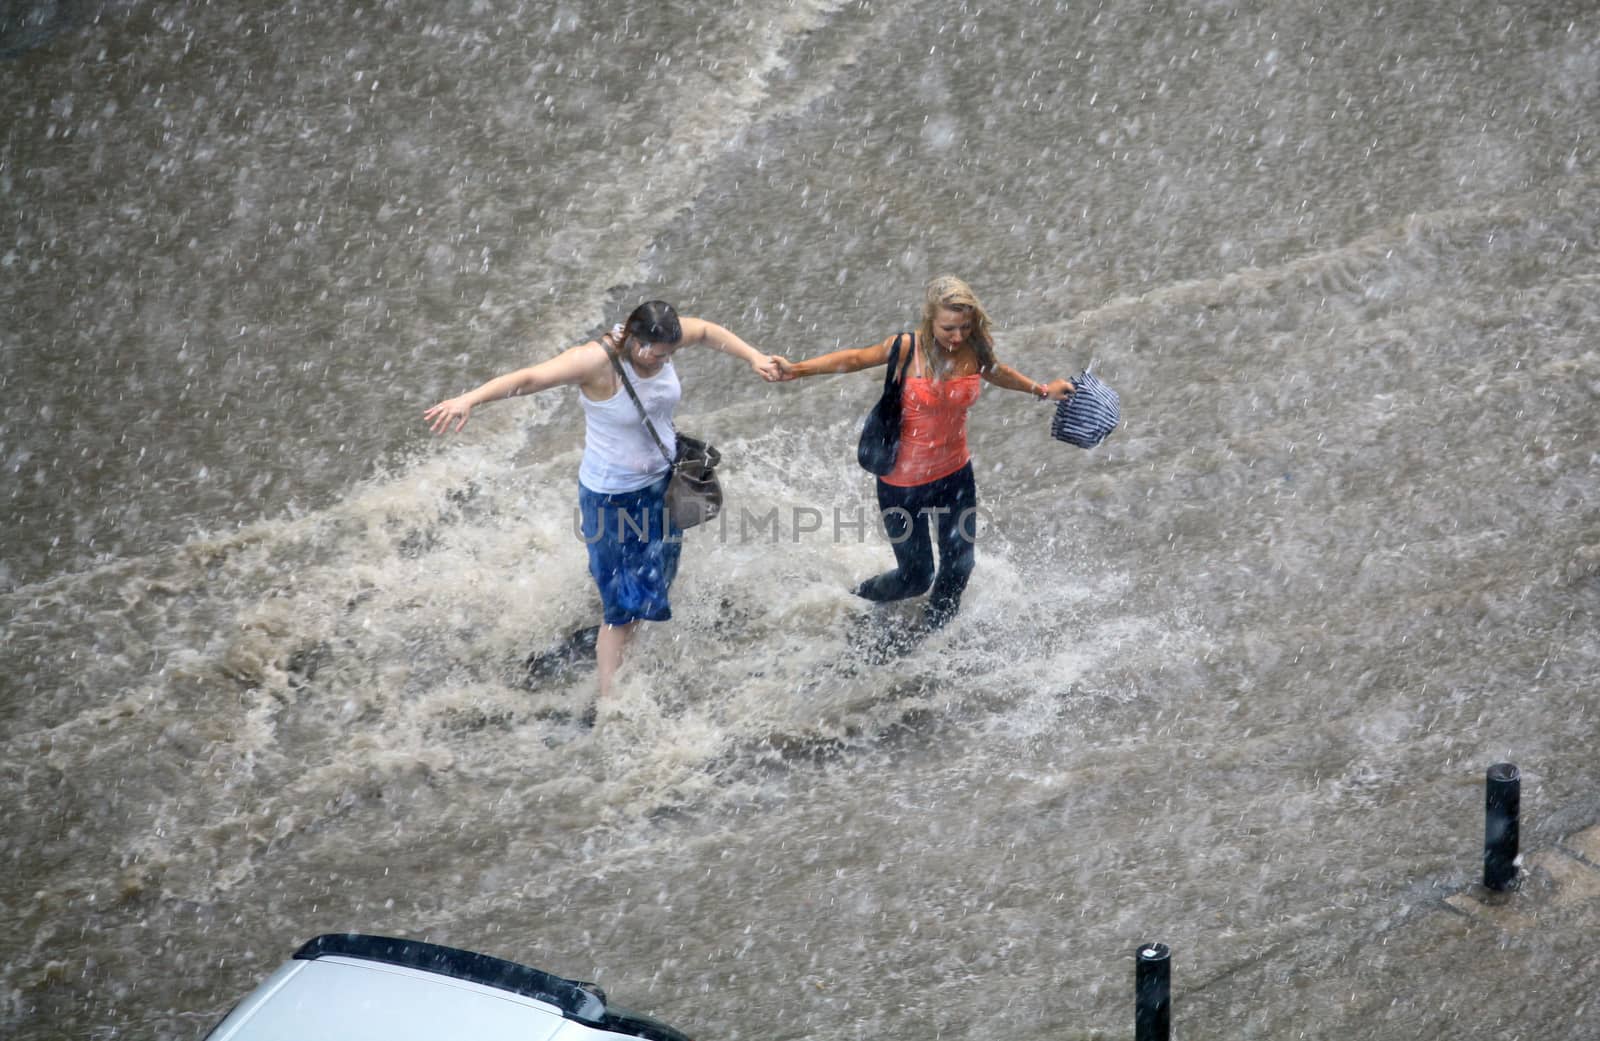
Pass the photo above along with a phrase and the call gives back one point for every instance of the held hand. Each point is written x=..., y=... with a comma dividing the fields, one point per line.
x=1058, y=390
x=785, y=369
x=440, y=416
x=769, y=368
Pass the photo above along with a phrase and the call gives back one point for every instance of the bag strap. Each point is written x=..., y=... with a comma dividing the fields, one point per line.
x=616, y=363
x=897, y=367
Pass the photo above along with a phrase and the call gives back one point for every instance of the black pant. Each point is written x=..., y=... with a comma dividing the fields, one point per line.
x=952, y=503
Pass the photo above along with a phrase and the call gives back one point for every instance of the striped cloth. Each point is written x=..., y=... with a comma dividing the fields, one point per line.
x=1092, y=412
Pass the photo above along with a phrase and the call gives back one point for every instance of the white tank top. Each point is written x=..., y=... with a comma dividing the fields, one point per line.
x=619, y=455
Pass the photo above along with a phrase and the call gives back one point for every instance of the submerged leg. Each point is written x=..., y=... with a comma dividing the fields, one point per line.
x=608, y=653
x=957, y=549
x=913, y=550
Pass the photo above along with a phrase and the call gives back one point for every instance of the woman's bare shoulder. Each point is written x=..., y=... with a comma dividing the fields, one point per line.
x=579, y=363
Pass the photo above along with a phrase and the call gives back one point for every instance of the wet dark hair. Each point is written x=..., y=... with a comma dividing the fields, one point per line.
x=654, y=321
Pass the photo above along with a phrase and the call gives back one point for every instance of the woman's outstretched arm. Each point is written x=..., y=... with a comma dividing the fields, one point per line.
x=719, y=338
x=850, y=360
x=1010, y=379
x=573, y=365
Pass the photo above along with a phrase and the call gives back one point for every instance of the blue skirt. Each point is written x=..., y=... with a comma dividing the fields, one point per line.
x=633, y=551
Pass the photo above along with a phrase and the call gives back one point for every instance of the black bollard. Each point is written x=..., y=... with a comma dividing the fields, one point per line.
x=1152, y=993
x=1502, y=805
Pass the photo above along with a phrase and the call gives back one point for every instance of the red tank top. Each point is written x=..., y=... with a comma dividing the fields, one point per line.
x=933, y=427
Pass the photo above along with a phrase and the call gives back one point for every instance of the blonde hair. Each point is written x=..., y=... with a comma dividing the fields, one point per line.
x=950, y=293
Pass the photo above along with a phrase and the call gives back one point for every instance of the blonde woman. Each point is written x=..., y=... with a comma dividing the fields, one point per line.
x=622, y=479
x=931, y=486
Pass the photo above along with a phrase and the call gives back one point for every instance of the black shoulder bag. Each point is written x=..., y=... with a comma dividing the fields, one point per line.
x=694, y=495
x=880, y=437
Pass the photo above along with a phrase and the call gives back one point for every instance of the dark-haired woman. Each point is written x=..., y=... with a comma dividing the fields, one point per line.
x=633, y=548
x=951, y=351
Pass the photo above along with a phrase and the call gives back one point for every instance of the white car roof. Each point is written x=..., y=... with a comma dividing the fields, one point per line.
x=347, y=999
x=350, y=987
